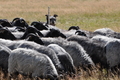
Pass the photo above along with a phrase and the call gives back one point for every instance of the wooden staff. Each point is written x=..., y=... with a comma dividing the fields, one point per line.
x=48, y=15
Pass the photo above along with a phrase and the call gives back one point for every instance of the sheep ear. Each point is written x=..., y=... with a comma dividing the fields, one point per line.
x=55, y=15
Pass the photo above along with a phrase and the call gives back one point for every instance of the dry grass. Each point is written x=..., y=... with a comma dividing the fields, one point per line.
x=95, y=74
x=88, y=14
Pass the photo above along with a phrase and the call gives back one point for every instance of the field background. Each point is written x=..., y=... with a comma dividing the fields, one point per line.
x=87, y=14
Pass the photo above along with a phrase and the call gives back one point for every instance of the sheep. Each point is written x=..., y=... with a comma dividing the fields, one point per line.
x=111, y=46
x=73, y=28
x=71, y=31
x=52, y=33
x=32, y=45
x=4, y=55
x=35, y=38
x=112, y=53
x=95, y=50
x=31, y=63
x=6, y=34
x=78, y=54
x=5, y=23
x=81, y=33
x=19, y=22
x=114, y=35
x=30, y=29
x=64, y=57
x=107, y=32
x=39, y=25
x=104, y=31
x=102, y=39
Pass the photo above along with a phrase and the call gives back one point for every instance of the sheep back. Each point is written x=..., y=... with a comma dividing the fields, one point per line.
x=64, y=57
x=26, y=62
x=78, y=54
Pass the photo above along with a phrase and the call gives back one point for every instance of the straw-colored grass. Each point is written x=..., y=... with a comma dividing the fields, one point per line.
x=88, y=14
x=95, y=74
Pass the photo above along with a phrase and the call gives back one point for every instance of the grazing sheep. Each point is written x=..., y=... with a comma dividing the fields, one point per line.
x=30, y=62
x=114, y=35
x=31, y=30
x=95, y=50
x=4, y=54
x=52, y=33
x=113, y=53
x=104, y=31
x=102, y=39
x=6, y=34
x=35, y=38
x=111, y=46
x=73, y=28
x=81, y=33
x=78, y=54
x=39, y=25
x=32, y=45
x=71, y=31
x=64, y=57
x=107, y=32
x=19, y=22
x=5, y=23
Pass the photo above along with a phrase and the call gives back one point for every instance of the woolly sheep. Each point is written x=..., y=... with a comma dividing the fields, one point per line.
x=113, y=53
x=64, y=57
x=104, y=31
x=32, y=45
x=102, y=39
x=78, y=54
x=111, y=46
x=95, y=50
x=30, y=62
x=4, y=54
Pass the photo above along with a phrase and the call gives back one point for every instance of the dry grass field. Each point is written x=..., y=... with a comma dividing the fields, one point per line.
x=88, y=14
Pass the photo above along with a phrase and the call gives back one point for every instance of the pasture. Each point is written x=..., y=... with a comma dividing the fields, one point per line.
x=87, y=14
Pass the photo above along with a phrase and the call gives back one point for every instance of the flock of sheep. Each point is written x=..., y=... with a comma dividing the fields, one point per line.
x=43, y=50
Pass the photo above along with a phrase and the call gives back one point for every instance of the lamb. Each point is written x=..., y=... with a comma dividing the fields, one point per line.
x=32, y=45
x=64, y=57
x=76, y=51
x=30, y=62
